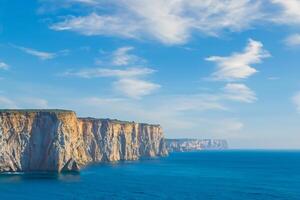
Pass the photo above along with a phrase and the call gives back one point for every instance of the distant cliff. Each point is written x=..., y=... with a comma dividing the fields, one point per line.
x=56, y=140
x=182, y=145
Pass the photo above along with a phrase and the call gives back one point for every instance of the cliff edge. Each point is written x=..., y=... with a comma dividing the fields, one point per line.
x=56, y=140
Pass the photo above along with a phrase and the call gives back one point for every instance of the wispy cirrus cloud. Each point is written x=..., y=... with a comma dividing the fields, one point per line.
x=293, y=40
x=238, y=65
x=42, y=55
x=123, y=57
x=89, y=2
x=170, y=22
x=128, y=81
x=135, y=88
x=4, y=66
x=175, y=21
x=239, y=92
x=106, y=72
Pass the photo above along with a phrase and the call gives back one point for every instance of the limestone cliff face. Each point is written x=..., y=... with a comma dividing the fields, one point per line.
x=112, y=140
x=55, y=140
x=182, y=145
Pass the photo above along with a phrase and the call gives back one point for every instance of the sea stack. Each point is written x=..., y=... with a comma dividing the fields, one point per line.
x=56, y=140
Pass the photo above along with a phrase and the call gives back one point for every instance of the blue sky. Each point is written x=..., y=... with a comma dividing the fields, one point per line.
x=200, y=68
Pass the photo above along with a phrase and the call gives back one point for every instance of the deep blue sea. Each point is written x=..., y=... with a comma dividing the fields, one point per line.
x=240, y=175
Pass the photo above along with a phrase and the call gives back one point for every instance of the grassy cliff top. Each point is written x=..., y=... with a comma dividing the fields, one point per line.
x=115, y=121
x=34, y=110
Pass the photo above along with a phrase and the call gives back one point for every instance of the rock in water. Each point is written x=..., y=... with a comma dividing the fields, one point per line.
x=182, y=145
x=56, y=140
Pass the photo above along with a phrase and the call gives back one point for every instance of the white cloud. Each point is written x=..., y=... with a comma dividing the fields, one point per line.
x=121, y=56
x=4, y=66
x=296, y=100
x=293, y=40
x=40, y=54
x=95, y=24
x=128, y=83
x=135, y=88
x=289, y=13
x=89, y=2
x=238, y=65
x=239, y=92
x=170, y=22
x=104, y=72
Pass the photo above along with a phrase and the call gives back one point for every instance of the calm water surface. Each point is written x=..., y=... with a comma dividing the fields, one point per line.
x=239, y=175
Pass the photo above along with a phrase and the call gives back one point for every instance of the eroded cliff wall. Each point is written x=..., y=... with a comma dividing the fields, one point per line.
x=113, y=140
x=56, y=140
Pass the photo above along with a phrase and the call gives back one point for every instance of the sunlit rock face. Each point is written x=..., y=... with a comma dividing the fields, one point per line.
x=56, y=140
x=182, y=145
x=113, y=140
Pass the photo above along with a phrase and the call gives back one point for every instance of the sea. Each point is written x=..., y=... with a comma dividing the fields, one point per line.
x=220, y=175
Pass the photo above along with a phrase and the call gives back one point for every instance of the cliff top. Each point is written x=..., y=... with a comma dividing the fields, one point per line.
x=115, y=121
x=34, y=110
x=70, y=111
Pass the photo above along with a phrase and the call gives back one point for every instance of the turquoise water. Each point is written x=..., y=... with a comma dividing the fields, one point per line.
x=239, y=175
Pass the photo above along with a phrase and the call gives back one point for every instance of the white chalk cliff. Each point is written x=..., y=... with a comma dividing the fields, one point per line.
x=56, y=140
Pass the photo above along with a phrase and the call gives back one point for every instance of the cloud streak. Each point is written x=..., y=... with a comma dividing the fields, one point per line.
x=169, y=22
x=293, y=40
x=238, y=65
x=239, y=92
x=42, y=55
x=106, y=72
x=4, y=66
x=39, y=54
x=129, y=81
x=122, y=57
x=135, y=88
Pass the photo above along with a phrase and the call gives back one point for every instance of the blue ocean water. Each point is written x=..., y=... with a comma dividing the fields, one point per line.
x=240, y=175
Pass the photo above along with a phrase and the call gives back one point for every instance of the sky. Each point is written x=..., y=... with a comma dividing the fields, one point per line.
x=200, y=68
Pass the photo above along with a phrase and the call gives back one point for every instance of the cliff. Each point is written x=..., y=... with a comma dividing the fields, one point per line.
x=56, y=140
x=182, y=145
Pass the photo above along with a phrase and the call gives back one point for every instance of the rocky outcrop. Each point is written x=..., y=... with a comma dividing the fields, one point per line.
x=182, y=145
x=56, y=140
